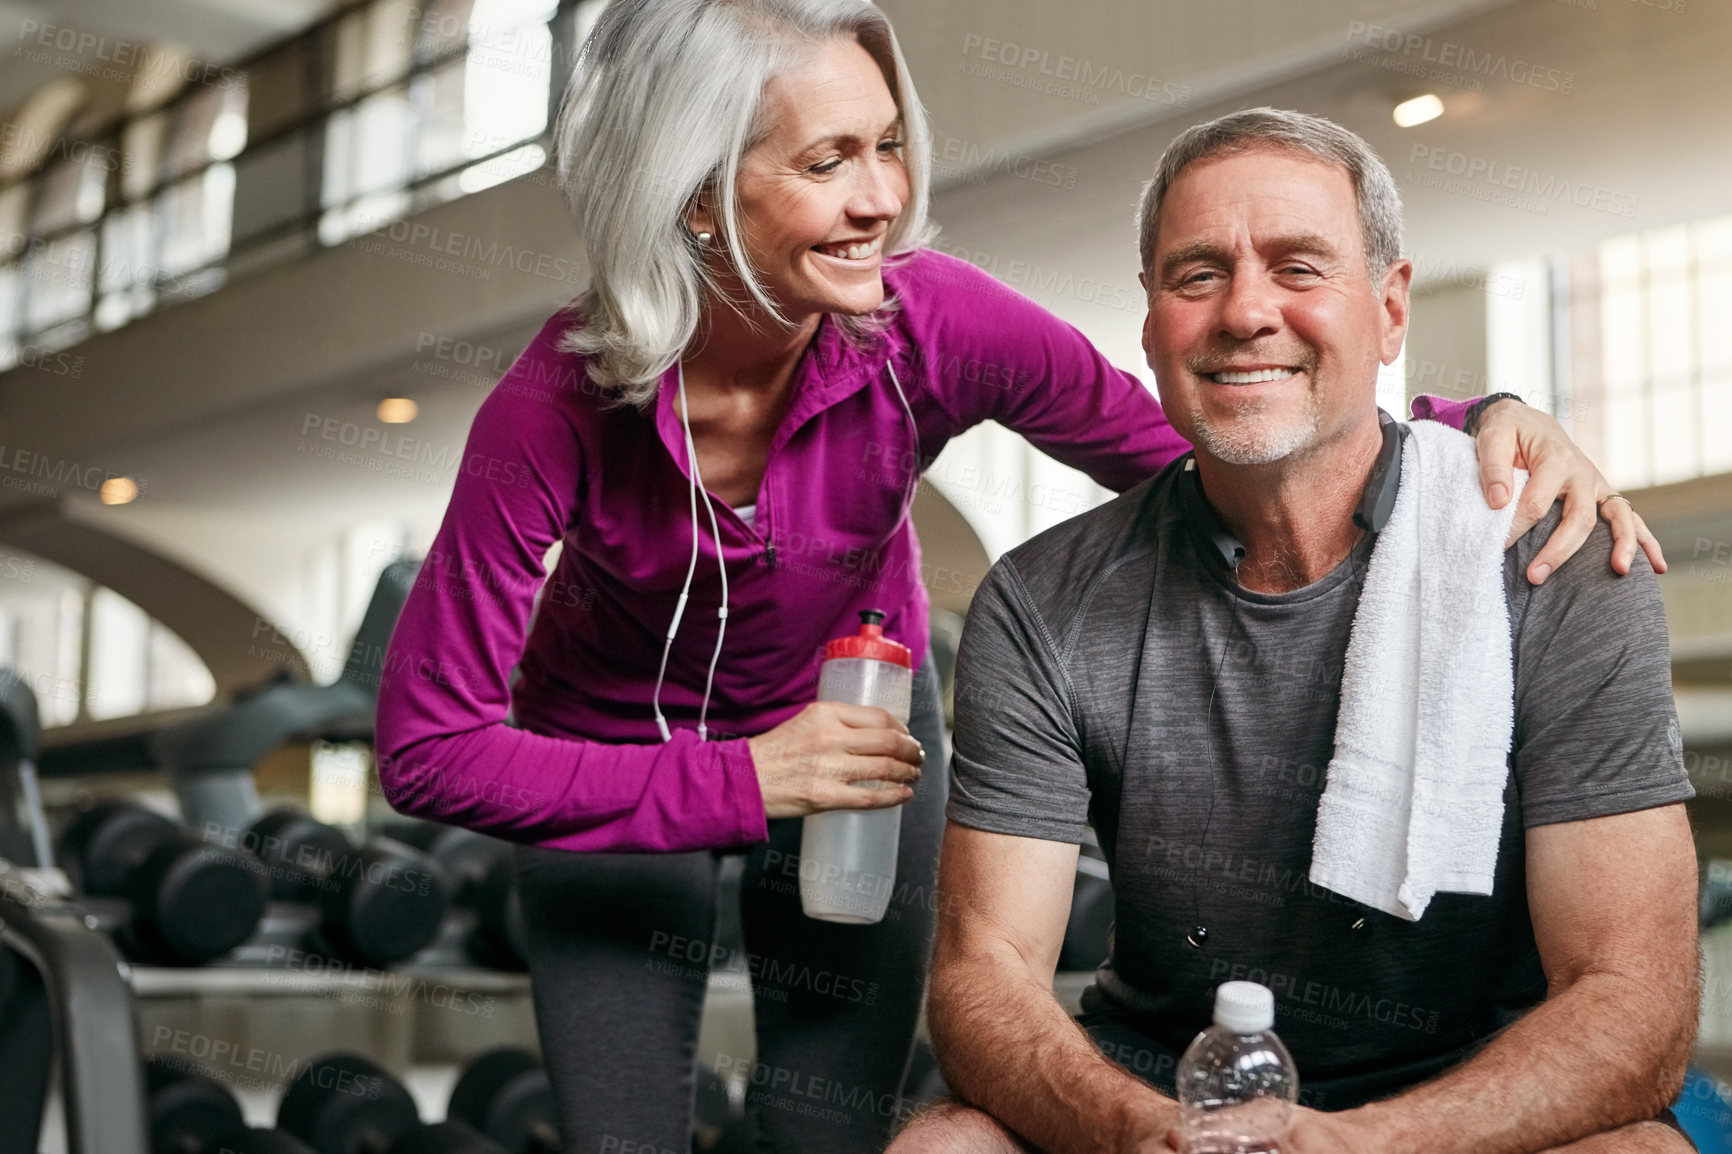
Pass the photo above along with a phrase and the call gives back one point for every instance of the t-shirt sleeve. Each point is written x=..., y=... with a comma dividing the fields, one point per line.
x=1596, y=729
x=1017, y=765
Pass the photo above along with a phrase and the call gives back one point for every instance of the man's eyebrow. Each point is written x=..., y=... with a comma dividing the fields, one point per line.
x=1308, y=243
x=1204, y=250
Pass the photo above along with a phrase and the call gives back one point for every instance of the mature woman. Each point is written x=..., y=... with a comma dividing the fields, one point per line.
x=763, y=362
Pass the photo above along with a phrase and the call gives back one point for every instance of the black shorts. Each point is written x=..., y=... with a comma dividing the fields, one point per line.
x=1156, y=1063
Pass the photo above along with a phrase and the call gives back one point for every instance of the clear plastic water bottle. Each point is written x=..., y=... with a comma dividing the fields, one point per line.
x=1236, y=1081
x=848, y=857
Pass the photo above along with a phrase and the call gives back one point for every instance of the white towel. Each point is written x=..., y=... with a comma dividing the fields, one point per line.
x=1413, y=801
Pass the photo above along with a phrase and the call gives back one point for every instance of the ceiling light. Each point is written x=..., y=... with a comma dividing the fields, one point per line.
x=118, y=491
x=1418, y=110
x=397, y=410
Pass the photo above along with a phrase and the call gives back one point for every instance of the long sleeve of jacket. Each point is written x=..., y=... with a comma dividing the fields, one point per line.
x=445, y=750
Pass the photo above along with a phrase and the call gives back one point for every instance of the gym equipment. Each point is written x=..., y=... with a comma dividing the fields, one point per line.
x=63, y=990
x=252, y=1141
x=23, y=825
x=445, y=1138
x=500, y=940
x=344, y=1104
x=483, y=874
x=1088, y=932
x=379, y=903
x=505, y=1094
x=69, y=1001
x=26, y=1051
x=466, y=855
x=191, y=901
x=8, y=977
x=1714, y=904
x=188, y=1108
x=209, y=758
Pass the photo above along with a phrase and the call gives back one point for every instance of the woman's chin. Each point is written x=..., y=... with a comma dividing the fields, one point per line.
x=856, y=303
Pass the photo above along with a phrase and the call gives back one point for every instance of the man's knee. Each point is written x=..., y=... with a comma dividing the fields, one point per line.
x=1641, y=1138
x=953, y=1127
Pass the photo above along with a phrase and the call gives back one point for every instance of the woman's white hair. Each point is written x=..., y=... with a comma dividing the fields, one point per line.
x=665, y=100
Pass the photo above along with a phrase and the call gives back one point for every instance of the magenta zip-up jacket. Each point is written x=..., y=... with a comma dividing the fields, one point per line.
x=580, y=765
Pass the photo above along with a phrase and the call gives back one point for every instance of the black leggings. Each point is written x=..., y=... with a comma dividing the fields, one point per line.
x=620, y=949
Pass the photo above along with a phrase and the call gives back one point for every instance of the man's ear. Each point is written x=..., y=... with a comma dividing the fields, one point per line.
x=1396, y=302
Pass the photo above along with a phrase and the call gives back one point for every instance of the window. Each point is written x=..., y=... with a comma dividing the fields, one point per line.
x=1665, y=380
x=1618, y=343
x=86, y=651
x=195, y=214
x=374, y=113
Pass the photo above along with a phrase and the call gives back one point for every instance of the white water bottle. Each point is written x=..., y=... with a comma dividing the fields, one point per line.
x=1236, y=1081
x=848, y=857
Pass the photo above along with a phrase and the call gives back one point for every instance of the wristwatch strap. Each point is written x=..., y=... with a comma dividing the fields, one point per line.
x=1470, y=420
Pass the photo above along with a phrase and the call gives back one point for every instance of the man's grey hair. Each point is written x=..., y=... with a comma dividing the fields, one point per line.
x=1251, y=128
x=665, y=100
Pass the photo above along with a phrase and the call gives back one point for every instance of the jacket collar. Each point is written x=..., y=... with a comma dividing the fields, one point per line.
x=830, y=369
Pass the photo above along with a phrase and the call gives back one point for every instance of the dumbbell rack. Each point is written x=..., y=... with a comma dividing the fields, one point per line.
x=94, y=994
x=95, y=1024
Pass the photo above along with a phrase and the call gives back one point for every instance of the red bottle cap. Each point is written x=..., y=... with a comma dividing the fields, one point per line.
x=870, y=642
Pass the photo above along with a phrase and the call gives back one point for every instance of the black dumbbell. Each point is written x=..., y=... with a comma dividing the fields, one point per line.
x=506, y=1095
x=191, y=901
x=448, y=1137
x=484, y=882
x=379, y=903
x=188, y=1108
x=8, y=978
x=300, y=851
x=252, y=1141
x=344, y=1104
x=466, y=855
x=501, y=939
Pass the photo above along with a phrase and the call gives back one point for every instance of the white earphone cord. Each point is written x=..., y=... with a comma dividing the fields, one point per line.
x=696, y=487
x=691, y=569
x=722, y=567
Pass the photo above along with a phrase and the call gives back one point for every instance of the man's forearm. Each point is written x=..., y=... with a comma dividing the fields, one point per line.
x=1009, y=1048
x=1606, y=1052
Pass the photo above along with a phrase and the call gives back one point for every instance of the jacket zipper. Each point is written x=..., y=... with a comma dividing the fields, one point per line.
x=769, y=544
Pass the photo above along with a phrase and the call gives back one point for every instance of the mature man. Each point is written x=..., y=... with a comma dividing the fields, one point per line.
x=1169, y=667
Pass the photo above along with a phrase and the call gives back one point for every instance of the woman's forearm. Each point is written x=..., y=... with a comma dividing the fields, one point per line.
x=570, y=794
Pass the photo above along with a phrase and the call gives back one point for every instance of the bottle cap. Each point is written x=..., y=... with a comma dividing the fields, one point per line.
x=1244, y=1007
x=870, y=642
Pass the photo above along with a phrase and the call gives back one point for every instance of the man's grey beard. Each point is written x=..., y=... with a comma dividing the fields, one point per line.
x=1250, y=442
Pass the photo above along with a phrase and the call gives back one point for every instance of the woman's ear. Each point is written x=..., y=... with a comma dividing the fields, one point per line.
x=701, y=220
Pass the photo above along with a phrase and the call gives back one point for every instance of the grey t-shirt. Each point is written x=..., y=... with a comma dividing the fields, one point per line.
x=1113, y=672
